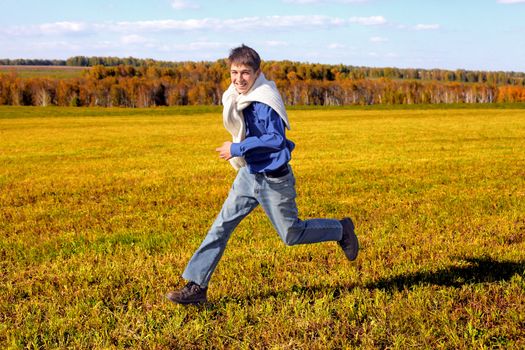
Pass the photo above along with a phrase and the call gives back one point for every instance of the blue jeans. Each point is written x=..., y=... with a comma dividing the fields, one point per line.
x=277, y=198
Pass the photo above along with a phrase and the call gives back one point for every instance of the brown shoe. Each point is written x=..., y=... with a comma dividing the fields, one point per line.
x=349, y=242
x=191, y=293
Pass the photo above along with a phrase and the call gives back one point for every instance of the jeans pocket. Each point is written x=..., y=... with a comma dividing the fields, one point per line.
x=280, y=182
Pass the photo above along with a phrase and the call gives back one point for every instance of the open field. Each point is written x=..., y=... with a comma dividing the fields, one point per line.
x=100, y=209
x=57, y=72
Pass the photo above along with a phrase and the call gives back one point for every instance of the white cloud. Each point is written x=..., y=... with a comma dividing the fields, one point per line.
x=62, y=27
x=56, y=45
x=179, y=25
x=159, y=25
x=48, y=28
x=368, y=21
x=133, y=39
x=206, y=45
x=305, y=22
x=511, y=1
x=183, y=5
x=427, y=26
x=72, y=47
x=274, y=43
x=305, y=2
x=298, y=21
x=202, y=45
x=335, y=46
x=378, y=39
x=302, y=2
x=245, y=23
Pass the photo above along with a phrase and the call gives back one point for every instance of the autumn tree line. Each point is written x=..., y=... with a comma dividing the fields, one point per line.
x=85, y=61
x=148, y=83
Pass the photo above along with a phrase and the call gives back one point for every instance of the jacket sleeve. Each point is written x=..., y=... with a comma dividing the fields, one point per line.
x=271, y=138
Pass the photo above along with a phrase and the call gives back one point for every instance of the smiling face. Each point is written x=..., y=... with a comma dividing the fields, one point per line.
x=243, y=77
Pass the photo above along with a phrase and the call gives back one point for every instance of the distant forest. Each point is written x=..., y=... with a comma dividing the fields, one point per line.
x=132, y=82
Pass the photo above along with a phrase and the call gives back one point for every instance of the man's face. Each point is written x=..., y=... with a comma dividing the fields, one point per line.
x=243, y=77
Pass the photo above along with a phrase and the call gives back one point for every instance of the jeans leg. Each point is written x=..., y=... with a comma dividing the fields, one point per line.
x=277, y=197
x=238, y=204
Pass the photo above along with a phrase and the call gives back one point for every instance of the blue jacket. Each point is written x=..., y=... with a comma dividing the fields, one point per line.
x=265, y=147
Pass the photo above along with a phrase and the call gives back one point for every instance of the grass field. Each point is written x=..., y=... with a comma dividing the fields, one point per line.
x=100, y=209
x=57, y=72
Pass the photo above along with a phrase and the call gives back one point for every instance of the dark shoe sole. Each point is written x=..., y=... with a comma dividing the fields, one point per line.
x=173, y=298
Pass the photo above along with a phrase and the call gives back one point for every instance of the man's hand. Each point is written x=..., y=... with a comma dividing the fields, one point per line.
x=224, y=150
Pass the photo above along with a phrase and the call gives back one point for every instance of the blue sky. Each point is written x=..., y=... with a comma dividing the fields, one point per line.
x=447, y=34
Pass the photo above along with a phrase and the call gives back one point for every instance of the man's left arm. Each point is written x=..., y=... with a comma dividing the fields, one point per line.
x=272, y=137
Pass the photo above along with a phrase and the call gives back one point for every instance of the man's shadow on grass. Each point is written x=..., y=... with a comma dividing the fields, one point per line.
x=471, y=271
x=476, y=270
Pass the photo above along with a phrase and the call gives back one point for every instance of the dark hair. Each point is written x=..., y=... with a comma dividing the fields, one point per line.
x=245, y=55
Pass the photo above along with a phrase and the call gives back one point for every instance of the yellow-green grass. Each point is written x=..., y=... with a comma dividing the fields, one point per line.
x=58, y=72
x=100, y=209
